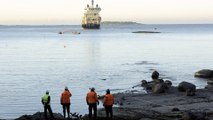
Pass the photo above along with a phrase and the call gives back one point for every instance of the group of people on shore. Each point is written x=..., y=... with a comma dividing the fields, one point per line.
x=91, y=99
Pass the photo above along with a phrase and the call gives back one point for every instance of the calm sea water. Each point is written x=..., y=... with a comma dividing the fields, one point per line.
x=34, y=59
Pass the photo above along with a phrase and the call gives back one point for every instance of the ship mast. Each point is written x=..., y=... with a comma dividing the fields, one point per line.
x=92, y=3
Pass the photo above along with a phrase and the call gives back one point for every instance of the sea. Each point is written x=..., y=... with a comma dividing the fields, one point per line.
x=34, y=59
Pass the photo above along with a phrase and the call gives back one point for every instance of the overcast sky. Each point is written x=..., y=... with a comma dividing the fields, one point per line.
x=71, y=11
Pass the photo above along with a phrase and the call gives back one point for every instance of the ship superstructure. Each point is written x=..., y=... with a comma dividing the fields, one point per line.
x=91, y=18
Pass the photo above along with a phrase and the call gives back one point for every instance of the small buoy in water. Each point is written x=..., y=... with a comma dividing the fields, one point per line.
x=60, y=32
x=65, y=46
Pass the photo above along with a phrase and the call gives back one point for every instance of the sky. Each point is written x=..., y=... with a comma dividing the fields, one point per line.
x=60, y=12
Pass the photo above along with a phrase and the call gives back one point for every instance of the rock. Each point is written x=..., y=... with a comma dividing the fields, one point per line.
x=210, y=82
x=40, y=116
x=186, y=86
x=146, y=32
x=190, y=92
x=209, y=87
x=159, y=88
x=188, y=116
x=175, y=109
x=205, y=73
x=155, y=75
x=194, y=115
x=168, y=82
x=158, y=81
x=144, y=83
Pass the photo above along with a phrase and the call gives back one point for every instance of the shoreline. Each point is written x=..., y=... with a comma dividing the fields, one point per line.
x=171, y=105
x=162, y=102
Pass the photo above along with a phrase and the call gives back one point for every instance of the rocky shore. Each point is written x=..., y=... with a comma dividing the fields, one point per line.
x=162, y=102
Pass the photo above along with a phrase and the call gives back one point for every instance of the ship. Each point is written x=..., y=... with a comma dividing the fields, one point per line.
x=91, y=18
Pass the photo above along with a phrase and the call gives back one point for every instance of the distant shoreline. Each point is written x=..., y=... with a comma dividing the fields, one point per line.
x=108, y=22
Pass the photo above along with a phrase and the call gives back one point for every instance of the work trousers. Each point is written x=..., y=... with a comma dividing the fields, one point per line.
x=108, y=109
x=66, y=107
x=47, y=107
x=94, y=107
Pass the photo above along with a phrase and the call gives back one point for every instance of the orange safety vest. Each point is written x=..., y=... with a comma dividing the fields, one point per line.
x=92, y=97
x=65, y=97
x=108, y=99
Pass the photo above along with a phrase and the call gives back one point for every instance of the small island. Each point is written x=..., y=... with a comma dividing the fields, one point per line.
x=146, y=32
x=120, y=23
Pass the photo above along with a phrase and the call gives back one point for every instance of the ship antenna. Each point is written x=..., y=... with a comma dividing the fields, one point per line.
x=92, y=3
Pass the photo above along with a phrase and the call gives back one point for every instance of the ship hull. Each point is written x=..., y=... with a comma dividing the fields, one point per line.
x=91, y=26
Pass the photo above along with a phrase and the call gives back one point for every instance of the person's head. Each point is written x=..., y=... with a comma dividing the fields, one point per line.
x=66, y=88
x=108, y=91
x=47, y=92
x=92, y=89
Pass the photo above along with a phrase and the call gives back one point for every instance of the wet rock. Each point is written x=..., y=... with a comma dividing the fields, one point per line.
x=186, y=86
x=158, y=81
x=175, y=109
x=205, y=73
x=194, y=115
x=210, y=81
x=159, y=88
x=209, y=87
x=168, y=83
x=144, y=83
x=40, y=116
x=155, y=75
x=189, y=92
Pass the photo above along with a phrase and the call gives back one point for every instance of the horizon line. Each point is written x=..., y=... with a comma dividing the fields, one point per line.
x=106, y=21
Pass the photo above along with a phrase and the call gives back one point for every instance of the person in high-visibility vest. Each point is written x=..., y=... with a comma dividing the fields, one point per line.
x=46, y=103
x=65, y=101
x=92, y=102
x=108, y=103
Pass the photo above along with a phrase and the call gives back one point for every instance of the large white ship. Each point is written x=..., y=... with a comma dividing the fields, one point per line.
x=91, y=18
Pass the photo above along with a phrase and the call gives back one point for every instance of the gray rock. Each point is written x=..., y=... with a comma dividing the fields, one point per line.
x=186, y=86
x=194, y=115
x=209, y=87
x=210, y=81
x=159, y=88
x=205, y=73
x=40, y=116
x=144, y=83
x=190, y=92
x=158, y=81
x=155, y=75
x=168, y=83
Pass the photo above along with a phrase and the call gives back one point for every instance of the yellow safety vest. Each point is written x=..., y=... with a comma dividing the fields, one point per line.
x=45, y=99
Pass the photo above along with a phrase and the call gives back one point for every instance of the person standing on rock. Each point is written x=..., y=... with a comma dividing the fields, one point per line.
x=46, y=103
x=65, y=101
x=108, y=103
x=92, y=102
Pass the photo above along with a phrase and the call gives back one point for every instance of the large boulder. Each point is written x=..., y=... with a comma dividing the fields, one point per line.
x=205, y=73
x=168, y=83
x=158, y=81
x=155, y=75
x=159, y=88
x=186, y=86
